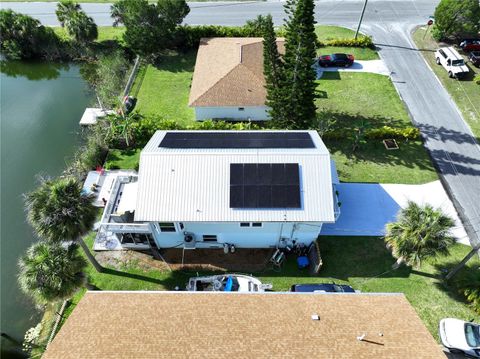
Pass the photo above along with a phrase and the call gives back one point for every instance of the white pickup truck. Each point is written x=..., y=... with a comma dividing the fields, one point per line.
x=451, y=61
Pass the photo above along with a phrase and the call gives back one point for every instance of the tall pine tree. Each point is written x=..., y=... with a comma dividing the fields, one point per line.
x=298, y=92
x=272, y=70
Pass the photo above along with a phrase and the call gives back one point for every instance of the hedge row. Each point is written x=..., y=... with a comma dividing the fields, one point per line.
x=364, y=41
x=385, y=132
x=188, y=37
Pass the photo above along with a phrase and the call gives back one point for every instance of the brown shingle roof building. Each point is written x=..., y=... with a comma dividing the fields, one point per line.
x=234, y=325
x=229, y=72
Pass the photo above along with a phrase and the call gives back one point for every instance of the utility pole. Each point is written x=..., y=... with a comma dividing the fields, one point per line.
x=361, y=18
x=462, y=262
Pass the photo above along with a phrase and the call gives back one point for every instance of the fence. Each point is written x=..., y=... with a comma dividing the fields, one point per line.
x=131, y=78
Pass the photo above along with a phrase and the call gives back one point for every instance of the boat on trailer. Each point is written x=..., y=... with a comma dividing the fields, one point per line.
x=227, y=283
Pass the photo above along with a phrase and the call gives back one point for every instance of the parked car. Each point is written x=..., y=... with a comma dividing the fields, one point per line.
x=226, y=283
x=322, y=287
x=475, y=58
x=468, y=45
x=460, y=336
x=451, y=61
x=337, y=60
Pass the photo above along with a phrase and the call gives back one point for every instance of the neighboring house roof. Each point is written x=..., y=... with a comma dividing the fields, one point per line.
x=193, y=184
x=229, y=72
x=242, y=325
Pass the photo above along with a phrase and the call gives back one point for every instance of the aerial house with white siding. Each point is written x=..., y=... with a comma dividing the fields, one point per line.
x=217, y=189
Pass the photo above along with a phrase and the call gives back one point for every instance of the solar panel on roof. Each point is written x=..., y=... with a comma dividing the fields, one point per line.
x=264, y=185
x=217, y=139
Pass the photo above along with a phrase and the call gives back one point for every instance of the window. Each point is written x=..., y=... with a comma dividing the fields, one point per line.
x=209, y=238
x=167, y=227
x=241, y=109
x=250, y=224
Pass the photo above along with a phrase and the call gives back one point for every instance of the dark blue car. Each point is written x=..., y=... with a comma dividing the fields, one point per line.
x=322, y=287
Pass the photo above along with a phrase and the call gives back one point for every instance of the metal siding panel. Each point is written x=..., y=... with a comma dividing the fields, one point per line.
x=201, y=181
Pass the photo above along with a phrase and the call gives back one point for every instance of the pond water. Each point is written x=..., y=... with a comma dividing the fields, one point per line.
x=41, y=105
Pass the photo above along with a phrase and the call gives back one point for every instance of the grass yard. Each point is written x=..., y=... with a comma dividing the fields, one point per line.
x=362, y=262
x=104, y=32
x=370, y=101
x=366, y=95
x=327, y=32
x=410, y=164
x=164, y=88
x=124, y=159
x=465, y=93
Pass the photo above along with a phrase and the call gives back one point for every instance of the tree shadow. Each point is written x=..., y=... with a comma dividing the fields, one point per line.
x=176, y=61
x=445, y=134
x=33, y=70
x=470, y=274
x=411, y=154
x=453, y=163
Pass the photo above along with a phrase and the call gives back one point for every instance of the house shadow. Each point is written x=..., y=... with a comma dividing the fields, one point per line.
x=345, y=258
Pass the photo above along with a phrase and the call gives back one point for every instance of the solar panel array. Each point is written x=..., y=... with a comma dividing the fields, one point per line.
x=231, y=139
x=264, y=185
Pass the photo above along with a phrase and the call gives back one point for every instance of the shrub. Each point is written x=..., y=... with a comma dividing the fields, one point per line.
x=22, y=37
x=477, y=79
x=363, y=41
x=406, y=133
x=456, y=18
x=188, y=37
x=467, y=282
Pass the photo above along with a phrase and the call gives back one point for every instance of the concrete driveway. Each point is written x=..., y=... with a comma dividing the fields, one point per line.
x=367, y=207
x=372, y=66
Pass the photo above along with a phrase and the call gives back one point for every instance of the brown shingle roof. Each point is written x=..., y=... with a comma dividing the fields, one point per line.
x=231, y=325
x=229, y=72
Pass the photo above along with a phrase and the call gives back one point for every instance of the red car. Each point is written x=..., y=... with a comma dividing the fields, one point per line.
x=337, y=60
x=468, y=45
x=475, y=58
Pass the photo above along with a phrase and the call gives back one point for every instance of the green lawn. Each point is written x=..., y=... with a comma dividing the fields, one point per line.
x=165, y=88
x=124, y=159
x=362, y=262
x=366, y=95
x=104, y=32
x=327, y=32
x=465, y=93
x=370, y=100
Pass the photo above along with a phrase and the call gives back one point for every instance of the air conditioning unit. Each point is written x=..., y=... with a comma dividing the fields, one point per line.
x=189, y=241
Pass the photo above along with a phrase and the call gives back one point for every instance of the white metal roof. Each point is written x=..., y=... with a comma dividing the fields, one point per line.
x=178, y=184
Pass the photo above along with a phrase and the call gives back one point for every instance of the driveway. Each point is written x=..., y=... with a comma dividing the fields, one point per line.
x=372, y=66
x=367, y=207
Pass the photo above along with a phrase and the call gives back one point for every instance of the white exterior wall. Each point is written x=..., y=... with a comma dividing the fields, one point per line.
x=254, y=113
x=267, y=236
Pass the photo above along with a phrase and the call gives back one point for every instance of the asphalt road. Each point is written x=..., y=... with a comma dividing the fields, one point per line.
x=449, y=140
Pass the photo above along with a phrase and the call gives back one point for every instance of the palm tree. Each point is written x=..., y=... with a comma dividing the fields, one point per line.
x=65, y=9
x=59, y=210
x=420, y=232
x=81, y=27
x=49, y=272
